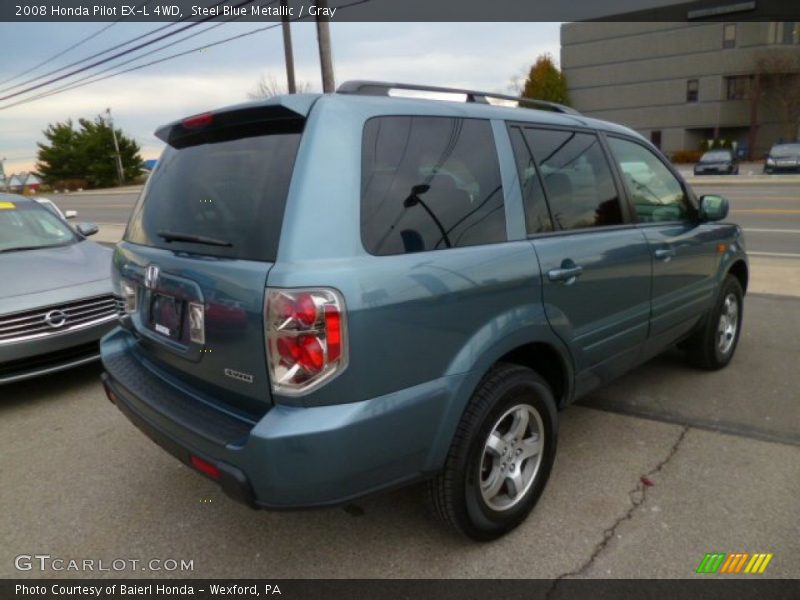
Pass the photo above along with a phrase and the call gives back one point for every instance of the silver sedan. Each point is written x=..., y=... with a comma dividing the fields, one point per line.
x=55, y=292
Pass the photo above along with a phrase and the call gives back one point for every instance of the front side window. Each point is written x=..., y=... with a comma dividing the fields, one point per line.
x=657, y=195
x=429, y=183
x=577, y=179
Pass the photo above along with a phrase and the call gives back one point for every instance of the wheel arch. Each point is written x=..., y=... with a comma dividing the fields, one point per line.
x=740, y=270
x=548, y=362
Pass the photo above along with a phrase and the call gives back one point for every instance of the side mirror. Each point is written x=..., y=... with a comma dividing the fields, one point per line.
x=87, y=229
x=70, y=214
x=713, y=207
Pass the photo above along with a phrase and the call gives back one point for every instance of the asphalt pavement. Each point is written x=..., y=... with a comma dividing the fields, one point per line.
x=629, y=496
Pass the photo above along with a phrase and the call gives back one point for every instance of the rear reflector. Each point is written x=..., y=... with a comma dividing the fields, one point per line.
x=206, y=467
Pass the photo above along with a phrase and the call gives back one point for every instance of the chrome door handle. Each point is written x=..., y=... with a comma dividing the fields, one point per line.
x=665, y=253
x=567, y=275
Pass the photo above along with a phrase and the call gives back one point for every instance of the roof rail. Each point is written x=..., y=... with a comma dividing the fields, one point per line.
x=382, y=88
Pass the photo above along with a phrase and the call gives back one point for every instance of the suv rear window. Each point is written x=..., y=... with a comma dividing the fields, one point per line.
x=429, y=183
x=232, y=192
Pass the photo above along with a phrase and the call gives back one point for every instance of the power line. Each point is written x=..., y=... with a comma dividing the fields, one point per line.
x=71, y=84
x=110, y=58
x=75, y=85
x=70, y=48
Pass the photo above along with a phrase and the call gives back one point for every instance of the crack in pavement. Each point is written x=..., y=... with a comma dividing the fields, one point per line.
x=637, y=496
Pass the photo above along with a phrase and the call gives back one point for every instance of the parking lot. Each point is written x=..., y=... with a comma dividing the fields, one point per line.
x=653, y=472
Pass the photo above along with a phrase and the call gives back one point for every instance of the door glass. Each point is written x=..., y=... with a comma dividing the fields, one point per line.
x=577, y=179
x=537, y=217
x=656, y=194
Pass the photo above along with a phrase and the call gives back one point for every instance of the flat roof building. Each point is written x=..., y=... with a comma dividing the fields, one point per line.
x=680, y=84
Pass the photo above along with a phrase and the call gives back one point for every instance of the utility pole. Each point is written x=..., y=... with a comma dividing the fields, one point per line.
x=287, y=47
x=120, y=172
x=324, y=39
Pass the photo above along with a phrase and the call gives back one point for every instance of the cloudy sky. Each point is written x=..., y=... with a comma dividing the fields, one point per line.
x=473, y=55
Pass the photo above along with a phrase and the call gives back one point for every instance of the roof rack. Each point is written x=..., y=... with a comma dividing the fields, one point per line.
x=382, y=88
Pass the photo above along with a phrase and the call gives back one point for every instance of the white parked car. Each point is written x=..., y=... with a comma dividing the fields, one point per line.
x=51, y=206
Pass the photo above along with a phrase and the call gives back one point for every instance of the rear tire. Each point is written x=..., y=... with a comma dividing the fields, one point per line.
x=500, y=457
x=713, y=345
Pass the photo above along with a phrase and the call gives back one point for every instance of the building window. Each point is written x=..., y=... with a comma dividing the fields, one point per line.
x=692, y=87
x=737, y=87
x=789, y=32
x=655, y=138
x=729, y=35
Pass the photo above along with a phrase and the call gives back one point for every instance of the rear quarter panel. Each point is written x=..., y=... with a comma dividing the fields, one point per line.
x=412, y=318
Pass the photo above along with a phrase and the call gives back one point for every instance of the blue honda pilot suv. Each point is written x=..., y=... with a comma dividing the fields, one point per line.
x=328, y=296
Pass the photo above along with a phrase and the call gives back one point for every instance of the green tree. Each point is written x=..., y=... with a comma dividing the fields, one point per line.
x=86, y=153
x=546, y=82
x=57, y=160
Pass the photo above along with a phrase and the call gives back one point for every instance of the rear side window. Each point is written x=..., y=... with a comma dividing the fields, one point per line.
x=232, y=193
x=577, y=178
x=429, y=183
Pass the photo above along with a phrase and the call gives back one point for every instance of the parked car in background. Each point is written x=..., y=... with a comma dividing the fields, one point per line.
x=55, y=297
x=52, y=207
x=717, y=162
x=783, y=158
x=331, y=295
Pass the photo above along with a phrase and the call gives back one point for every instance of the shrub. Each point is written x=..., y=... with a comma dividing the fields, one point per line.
x=686, y=156
x=71, y=184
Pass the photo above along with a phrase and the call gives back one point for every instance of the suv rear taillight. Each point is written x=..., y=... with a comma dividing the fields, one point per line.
x=306, y=338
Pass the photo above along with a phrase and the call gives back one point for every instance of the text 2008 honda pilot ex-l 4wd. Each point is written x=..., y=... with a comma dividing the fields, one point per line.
x=331, y=295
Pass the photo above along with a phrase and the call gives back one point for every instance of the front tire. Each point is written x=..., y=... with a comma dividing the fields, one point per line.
x=500, y=457
x=713, y=345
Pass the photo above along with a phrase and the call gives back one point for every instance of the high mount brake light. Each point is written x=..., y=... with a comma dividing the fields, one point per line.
x=198, y=121
x=306, y=338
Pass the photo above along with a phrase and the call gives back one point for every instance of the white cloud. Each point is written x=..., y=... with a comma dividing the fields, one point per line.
x=469, y=55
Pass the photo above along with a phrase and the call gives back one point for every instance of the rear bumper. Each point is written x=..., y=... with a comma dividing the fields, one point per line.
x=723, y=170
x=292, y=457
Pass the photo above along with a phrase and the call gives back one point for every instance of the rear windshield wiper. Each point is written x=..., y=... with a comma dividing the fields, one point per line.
x=172, y=236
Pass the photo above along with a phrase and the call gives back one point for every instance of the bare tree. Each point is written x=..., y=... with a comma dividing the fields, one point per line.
x=268, y=86
x=779, y=73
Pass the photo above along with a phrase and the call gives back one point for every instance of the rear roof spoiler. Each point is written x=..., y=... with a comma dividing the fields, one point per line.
x=382, y=88
x=274, y=115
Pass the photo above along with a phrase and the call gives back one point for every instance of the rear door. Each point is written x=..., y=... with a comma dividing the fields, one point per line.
x=595, y=264
x=684, y=250
x=199, y=246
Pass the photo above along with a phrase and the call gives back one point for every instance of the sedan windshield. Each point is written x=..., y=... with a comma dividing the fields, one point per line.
x=717, y=156
x=25, y=225
x=785, y=150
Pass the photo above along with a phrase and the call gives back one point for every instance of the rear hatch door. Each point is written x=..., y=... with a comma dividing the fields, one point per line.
x=200, y=244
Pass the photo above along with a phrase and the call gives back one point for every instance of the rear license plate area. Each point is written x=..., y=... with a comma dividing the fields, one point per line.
x=166, y=316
